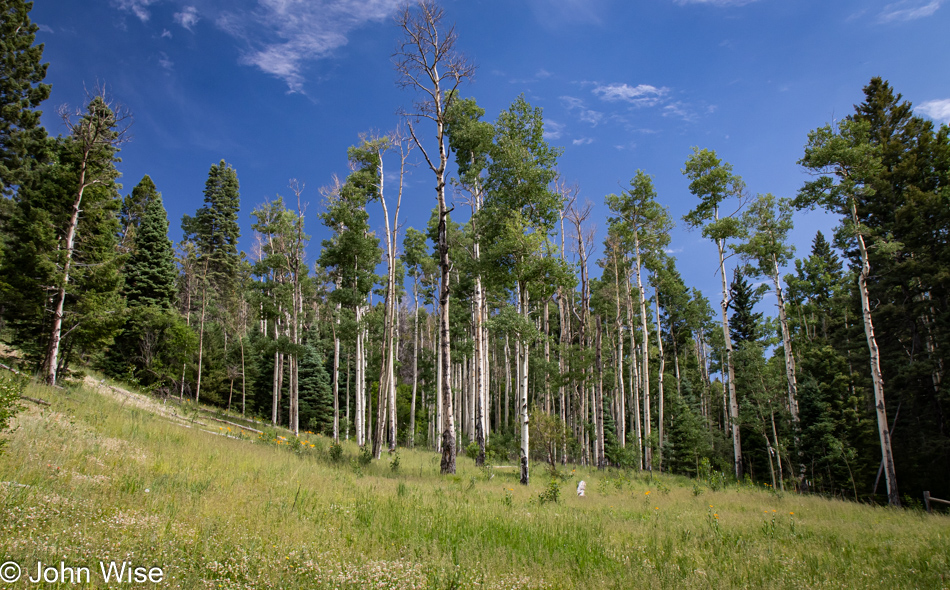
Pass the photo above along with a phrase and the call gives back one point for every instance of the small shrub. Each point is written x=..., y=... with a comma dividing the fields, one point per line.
x=295, y=444
x=336, y=452
x=551, y=493
x=394, y=463
x=366, y=456
x=10, y=391
x=471, y=451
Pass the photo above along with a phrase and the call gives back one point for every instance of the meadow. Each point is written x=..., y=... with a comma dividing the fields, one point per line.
x=103, y=475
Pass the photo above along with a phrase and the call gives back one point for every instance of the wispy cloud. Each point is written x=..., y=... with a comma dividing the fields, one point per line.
x=166, y=34
x=137, y=7
x=187, y=18
x=572, y=103
x=639, y=95
x=938, y=110
x=553, y=129
x=583, y=141
x=678, y=109
x=907, y=10
x=166, y=63
x=45, y=28
x=715, y=2
x=284, y=35
x=280, y=37
x=541, y=74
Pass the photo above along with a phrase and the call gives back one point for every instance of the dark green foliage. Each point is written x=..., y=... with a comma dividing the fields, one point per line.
x=21, y=91
x=11, y=388
x=892, y=173
x=745, y=324
x=316, y=394
x=352, y=254
x=151, y=348
x=625, y=457
x=151, y=272
x=214, y=229
x=34, y=256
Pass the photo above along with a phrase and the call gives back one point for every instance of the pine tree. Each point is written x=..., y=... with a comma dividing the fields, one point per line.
x=21, y=91
x=214, y=231
x=151, y=273
x=745, y=324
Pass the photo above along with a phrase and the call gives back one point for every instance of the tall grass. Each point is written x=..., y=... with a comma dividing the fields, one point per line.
x=97, y=477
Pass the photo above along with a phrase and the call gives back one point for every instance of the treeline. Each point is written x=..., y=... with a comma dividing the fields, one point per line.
x=495, y=334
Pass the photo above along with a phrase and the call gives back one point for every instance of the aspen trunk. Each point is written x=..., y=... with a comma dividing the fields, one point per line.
x=479, y=366
x=415, y=365
x=599, y=399
x=634, y=374
x=786, y=344
x=336, y=376
x=359, y=410
x=243, y=380
x=659, y=341
x=645, y=357
x=733, y=402
x=890, y=474
x=523, y=389
x=201, y=334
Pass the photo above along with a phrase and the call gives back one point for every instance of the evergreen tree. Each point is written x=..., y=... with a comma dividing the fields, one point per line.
x=214, y=231
x=316, y=401
x=745, y=324
x=133, y=208
x=21, y=91
x=151, y=273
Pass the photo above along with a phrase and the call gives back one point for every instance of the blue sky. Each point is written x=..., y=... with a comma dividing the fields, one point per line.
x=280, y=88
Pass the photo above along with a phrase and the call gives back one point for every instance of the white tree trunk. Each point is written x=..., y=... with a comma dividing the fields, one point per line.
x=731, y=374
x=659, y=341
x=890, y=473
x=645, y=357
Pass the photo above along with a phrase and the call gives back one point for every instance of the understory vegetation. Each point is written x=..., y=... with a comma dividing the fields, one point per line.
x=104, y=474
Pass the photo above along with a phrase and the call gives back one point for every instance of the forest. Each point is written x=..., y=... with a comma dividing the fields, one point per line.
x=489, y=329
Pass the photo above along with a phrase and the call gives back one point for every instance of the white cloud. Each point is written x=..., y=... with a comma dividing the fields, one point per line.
x=187, y=18
x=137, y=7
x=45, y=28
x=938, y=110
x=678, y=109
x=907, y=10
x=541, y=74
x=552, y=129
x=583, y=141
x=280, y=37
x=166, y=63
x=572, y=103
x=639, y=95
x=166, y=34
x=300, y=31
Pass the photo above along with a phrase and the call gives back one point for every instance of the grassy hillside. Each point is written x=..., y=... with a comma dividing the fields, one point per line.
x=100, y=476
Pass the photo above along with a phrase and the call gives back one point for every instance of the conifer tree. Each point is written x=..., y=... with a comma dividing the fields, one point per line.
x=21, y=92
x=151, y=273
x=214, y=230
